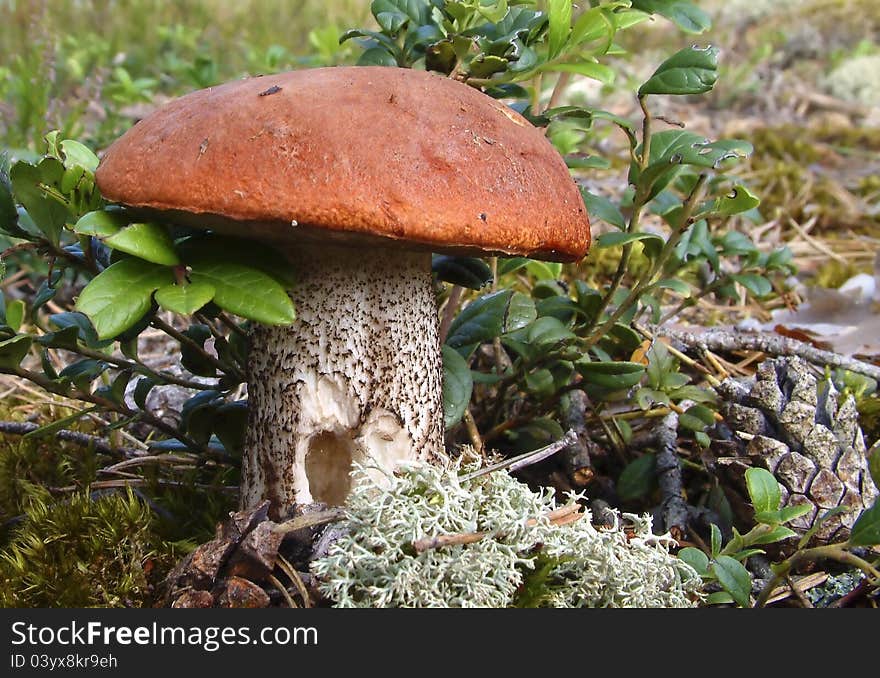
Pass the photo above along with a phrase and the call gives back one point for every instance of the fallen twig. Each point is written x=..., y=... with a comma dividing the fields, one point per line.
x=527, y=459
x=564, y=515
x=771, y=344
x=674, y=508
x=310, y=520
x=100, y=445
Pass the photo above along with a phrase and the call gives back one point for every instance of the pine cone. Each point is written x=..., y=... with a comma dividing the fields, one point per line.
x=797, y=429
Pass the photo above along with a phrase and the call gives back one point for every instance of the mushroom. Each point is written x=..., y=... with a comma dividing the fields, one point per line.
x=357, y=174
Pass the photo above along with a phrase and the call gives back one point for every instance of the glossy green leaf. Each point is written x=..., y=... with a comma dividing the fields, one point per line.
x=775, y=534
x=559, y=15
x=13, y=351
x=59, y=424
x=602, y=208
x=616, y=375
x=758, y=285
x=874, y=464
x=739, y=200
x=184, y=299
x=678, y=286
x=763, y=490
x=481, y=320
x=696, y=559
x=15, y=313
x=686, y=15
x=120, y=295
x=147, y=241
x=601, y=72
x=521, y=312
x=618, y=238
x=689, y=71
x=638, y=478
x=548, y=333
x=244, y=291
x=457, y=386
x=866, y=530
x=48, y=215
x=467, y=272
x=76, y=154
x=101, y=223
x=734, y=578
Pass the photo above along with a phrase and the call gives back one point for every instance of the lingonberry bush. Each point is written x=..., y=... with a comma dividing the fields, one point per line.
x=530, y=348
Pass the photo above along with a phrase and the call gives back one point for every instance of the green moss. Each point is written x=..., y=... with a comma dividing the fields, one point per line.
x=81, y=553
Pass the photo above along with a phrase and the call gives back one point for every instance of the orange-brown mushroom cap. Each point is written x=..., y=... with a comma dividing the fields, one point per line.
x=353, y=154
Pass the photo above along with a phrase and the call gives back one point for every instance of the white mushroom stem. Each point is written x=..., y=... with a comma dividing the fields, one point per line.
x=356, y=378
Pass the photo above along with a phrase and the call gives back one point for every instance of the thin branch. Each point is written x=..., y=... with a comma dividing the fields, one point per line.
x=100, y=445
x=564, y=515
x=527, y=459
x=771, y=344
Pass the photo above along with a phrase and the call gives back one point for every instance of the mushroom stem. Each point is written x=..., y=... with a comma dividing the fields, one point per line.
x=356, y=378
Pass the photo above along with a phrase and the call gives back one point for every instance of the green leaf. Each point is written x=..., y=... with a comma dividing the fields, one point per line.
x=676, y=285
x=618, y=238
x=76, y=154
x=689, y=71
x=192, y=359
x=559, y=14
x=696, y=559
x=734, y=578
x=47, y=213
x=58, y=424
x=763, y=490
x=715, y=540
x=866, y=531
x=15, y=313
x=244, y=291
x=615, y=375
x=874, y=464
x=230, y=426
x=120, y=295
x=101, y=223
x=377, y=56
x=147, y=241
x=719, y=598
x=184, y=299
x=457, y=386
x=85, y=332
x=467, y=272
x=686, y=15
x=758, y=285
x=13, y=351
x=739, y=200
x=601, y=72
x=548, y=333
x=481, y=320
x=601, y=207
x=638, y=478
x=521, y=312
x=773, y=535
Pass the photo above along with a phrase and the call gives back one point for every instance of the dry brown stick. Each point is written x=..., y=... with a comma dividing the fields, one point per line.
x=293, y=575
x=771, y=344
x=310, y=520
x=527, y=459
x=563, y=515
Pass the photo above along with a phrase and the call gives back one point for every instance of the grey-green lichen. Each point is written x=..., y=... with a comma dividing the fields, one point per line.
x=524, y=560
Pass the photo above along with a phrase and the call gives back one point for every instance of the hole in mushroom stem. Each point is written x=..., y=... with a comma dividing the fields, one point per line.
x=328, y=467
